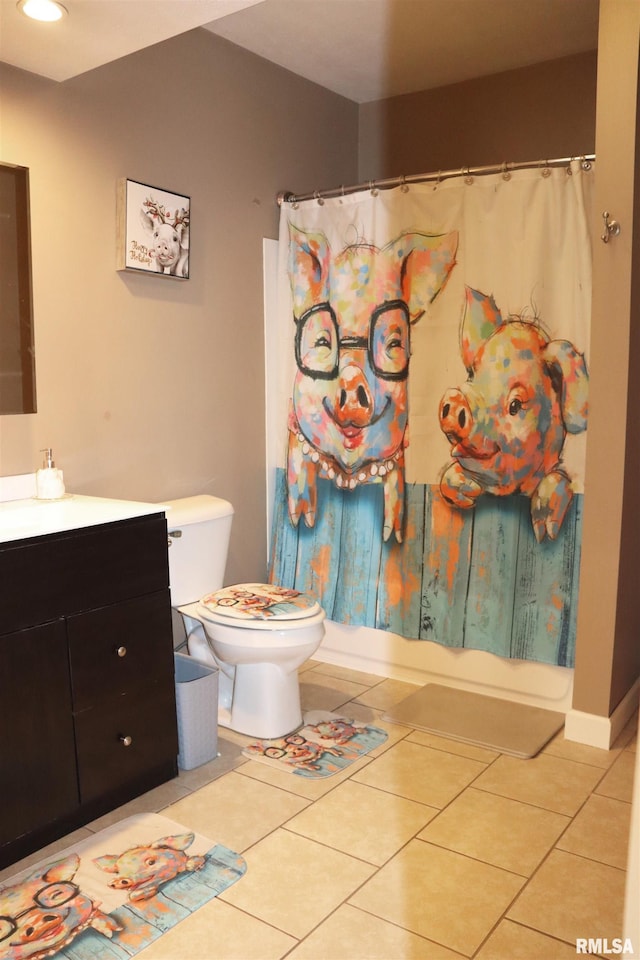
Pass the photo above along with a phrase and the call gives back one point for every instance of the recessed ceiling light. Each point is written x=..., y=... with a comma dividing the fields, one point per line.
x=47, y=10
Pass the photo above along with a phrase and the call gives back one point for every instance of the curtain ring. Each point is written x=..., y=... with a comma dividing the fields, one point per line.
x=316, y=196
x=403, y=185
x=468, y=179
x=505, y=171
x=373, y=188
x=546, y=169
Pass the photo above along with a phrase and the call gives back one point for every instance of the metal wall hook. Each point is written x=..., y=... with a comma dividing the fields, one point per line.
x=611, y=228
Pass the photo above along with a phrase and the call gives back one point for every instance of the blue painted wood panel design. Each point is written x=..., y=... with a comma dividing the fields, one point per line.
x=400, y=588
x=492, y=574
x=446, y=553
x=464, y=578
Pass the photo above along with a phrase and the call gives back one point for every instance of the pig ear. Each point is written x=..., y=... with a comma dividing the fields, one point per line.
x=183, y=236
x=108, y=862
x=308, y=268
x=180, y=842
x=425, y=264
x=569, y=372
x=62, y=869
x=146, y=221
x=480, y=320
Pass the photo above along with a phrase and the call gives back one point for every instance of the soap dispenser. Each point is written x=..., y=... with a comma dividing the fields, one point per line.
x=49, y=480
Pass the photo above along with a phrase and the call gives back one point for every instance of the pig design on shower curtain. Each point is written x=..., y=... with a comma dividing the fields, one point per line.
x=353, y=312
x=508, y=423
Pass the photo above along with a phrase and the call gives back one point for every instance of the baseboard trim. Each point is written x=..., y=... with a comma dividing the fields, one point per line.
x=598, y=731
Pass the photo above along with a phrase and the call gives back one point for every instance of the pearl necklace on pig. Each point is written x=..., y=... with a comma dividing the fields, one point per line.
x=344, y=479
x=74, y=933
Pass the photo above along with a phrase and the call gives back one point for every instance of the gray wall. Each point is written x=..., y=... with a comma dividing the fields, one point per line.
x=151, y=389
x=544, y=111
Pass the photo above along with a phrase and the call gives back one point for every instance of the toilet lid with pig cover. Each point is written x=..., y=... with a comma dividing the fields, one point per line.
x=261, y=601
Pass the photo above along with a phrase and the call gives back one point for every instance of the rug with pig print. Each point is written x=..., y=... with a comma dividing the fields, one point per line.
x=325, y=744
x=111, y=895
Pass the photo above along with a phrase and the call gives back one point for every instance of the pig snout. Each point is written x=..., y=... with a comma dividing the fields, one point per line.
x=353, y=403
x=122, y=883
x=38, y=925
x=468, y=433
x=165, y=250
x=455, y=416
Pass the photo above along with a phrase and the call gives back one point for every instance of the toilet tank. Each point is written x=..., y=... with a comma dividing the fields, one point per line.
x=199, y=529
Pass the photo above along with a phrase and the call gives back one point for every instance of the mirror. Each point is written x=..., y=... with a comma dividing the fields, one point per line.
x=17, y=353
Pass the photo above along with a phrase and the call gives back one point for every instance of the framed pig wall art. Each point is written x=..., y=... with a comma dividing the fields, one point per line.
x=152, y=230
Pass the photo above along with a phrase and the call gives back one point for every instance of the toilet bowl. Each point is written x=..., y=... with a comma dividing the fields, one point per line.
x=258, y=635
x=258, y=641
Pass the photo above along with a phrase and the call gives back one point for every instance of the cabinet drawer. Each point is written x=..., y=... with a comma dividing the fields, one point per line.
x=54, y=576
x=119, y=649
x=105, y=763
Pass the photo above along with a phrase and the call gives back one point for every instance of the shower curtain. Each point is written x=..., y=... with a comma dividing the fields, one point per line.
x=431, y=398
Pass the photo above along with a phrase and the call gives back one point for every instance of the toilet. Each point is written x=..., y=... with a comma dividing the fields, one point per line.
x=256, y=634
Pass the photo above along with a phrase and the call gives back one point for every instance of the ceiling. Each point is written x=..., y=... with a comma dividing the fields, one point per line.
x=362, y=49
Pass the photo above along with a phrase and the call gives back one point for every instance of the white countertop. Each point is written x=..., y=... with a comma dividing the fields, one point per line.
x=20, y=519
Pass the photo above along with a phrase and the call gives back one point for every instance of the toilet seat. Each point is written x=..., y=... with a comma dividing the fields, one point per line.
x=260, y=606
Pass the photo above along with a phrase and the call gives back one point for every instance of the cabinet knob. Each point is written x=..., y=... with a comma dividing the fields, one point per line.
x=126, y=741
x=173, y=535
x=121, y=651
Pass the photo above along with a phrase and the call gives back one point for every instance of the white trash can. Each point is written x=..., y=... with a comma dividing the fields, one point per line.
x=197, y=711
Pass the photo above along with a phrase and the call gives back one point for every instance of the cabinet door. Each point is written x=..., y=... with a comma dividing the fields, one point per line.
x=38, y=781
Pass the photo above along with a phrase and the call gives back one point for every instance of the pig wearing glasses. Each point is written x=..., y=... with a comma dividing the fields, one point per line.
x=45, y=912
x=353, y=311
x=508, y=423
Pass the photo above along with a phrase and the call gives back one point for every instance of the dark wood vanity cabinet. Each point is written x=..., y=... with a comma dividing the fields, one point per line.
x=87, y=696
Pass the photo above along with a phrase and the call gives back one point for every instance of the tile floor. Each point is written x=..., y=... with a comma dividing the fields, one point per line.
x=425, y=848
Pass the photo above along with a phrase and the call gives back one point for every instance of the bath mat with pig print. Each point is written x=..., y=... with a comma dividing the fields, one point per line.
x=325, y=744
x=111, y=895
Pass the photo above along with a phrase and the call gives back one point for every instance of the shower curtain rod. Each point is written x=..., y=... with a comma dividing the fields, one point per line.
x=375, y=185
